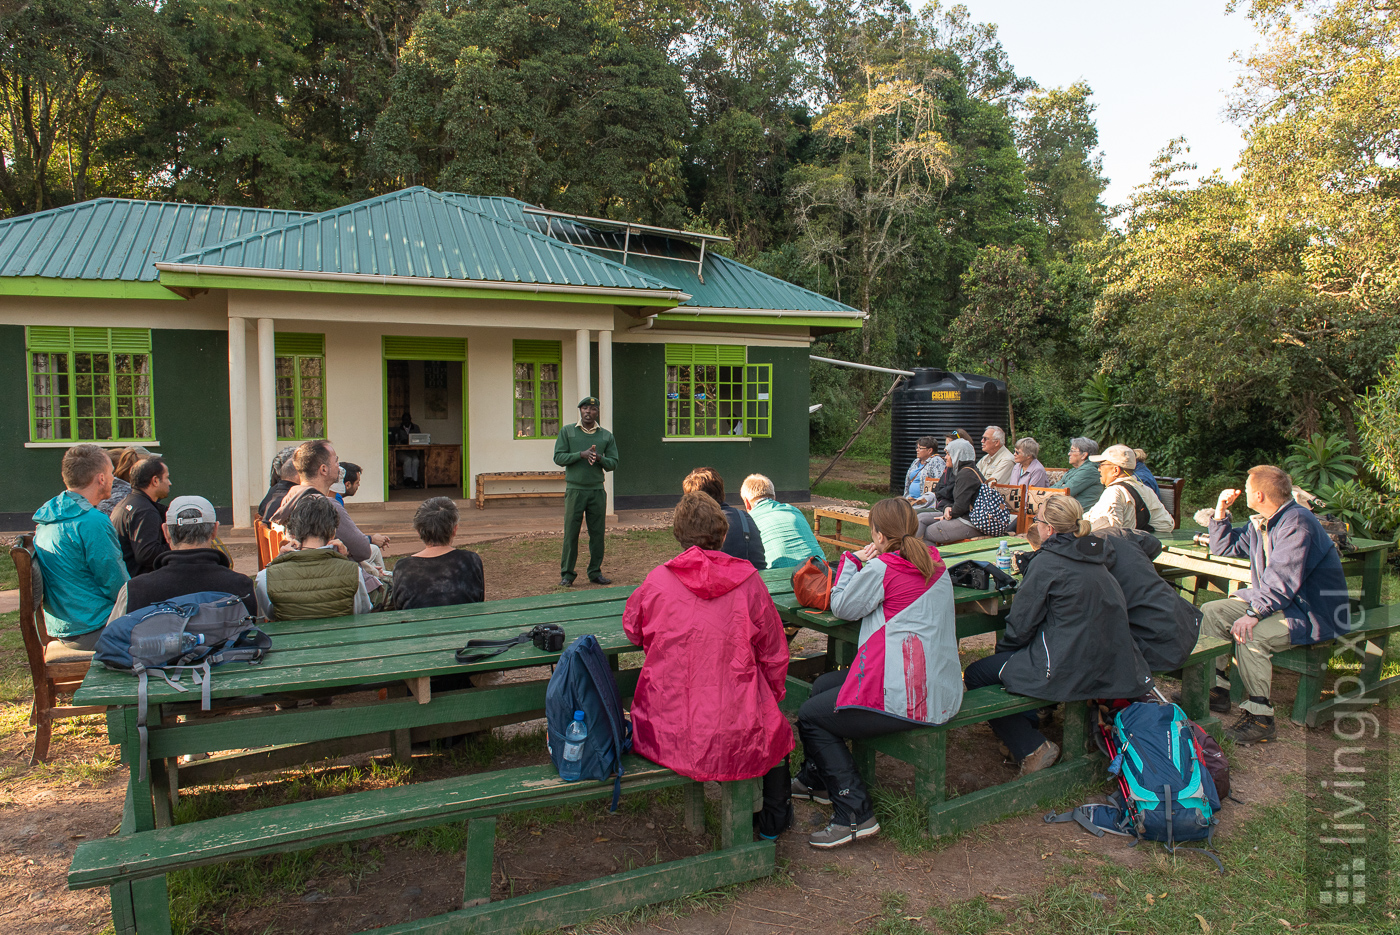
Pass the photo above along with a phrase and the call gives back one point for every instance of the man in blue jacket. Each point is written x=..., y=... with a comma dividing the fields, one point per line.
x=77, y=551
x=1297, y=593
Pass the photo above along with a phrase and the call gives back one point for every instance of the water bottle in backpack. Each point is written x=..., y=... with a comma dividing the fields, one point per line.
x=571, y=769
x=167, y=645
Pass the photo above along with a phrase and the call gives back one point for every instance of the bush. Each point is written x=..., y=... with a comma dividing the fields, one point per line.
x=1371, y=515
x=1321, y=461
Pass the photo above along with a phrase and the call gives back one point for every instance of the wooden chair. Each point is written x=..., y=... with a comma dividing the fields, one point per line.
x=1035, y=496
x=55, y=669
x=1056, y=474
x=1015, y=502
x=260, y=533
x=1172, y=488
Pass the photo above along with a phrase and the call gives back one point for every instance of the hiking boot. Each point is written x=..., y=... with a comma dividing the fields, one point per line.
x=800, y=791
x=600, y=579
x=566, y=582
x=834, y=835
x=1219, y=700
x=1045, y=755
x=1251, y=728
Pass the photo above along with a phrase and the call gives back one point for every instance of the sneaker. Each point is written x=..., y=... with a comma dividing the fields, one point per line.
x=800, y=791
x=1219, y=700
x=834, y=835
x=1045, y=755
x=1252, y=728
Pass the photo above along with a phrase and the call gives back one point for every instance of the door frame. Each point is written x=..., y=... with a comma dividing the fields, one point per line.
x=415, y=347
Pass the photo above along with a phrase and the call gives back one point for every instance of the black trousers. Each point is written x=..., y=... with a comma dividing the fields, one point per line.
x=777, y=801
x=1020, y=732
x=828, y=763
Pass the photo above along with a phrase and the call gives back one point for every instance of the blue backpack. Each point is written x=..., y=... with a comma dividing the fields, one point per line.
x=219, y=620
x=1163, y=769
x=582, y=681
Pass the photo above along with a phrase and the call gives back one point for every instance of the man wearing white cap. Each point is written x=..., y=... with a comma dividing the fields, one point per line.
x=193, y=563
x=1126, y=501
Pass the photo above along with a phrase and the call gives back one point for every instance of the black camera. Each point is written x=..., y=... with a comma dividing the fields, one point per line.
x=548, y=637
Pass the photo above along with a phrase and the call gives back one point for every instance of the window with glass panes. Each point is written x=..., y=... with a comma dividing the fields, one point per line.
x=300, y=365
x=538, y=366
x=89, y=384
x=712, y=391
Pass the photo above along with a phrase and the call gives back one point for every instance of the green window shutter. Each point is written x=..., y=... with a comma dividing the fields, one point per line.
x=398, y=347
x=290, y=343
x=120, y=340
x=758, y=400
x=538, y=352
x=726, y=355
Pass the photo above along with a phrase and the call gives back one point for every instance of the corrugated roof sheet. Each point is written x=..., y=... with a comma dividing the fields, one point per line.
x=417, y=232
x=120, y=239
x=728, y=283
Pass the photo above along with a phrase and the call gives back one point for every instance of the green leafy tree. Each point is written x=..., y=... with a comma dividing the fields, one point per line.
x=1064, y=172
x=1003, y=320
x=549, y=101
x=1321, y=461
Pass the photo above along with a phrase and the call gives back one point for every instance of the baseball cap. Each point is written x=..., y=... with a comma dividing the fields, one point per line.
x=180, y=504
x=1120, y=455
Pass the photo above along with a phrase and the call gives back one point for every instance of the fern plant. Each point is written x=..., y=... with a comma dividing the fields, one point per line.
x=1105, y=414
x=1321, y=461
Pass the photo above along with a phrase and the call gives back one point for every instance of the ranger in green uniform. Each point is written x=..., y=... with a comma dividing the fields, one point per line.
x=584, y=451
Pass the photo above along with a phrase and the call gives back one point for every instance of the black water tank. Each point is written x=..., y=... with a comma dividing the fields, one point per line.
x=936, y=402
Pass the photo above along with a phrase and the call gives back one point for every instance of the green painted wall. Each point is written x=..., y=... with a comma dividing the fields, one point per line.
x=653, y=469
x=191, y=405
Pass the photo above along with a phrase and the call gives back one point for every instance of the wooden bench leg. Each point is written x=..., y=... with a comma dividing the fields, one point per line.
x=931, y=769
x=481, y=861
x=150, y=900
x=736, y=813
x=1310, y=680
x=160, y=789
x=693, y=798
x=864, y=755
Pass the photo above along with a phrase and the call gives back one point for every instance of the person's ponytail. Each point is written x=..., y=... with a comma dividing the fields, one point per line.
x=1085, y=527
x=896, y=521
x=1065, y=515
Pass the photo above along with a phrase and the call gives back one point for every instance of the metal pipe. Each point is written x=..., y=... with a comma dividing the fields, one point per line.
x=198, y=269
x=847, y=363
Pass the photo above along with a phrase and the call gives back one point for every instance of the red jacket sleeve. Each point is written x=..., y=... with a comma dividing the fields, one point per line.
x=769, y=641
x=633, y=615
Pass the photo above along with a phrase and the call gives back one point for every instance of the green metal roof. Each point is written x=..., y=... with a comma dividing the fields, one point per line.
x=727, y=284
x=417, y=233
x=118, y=240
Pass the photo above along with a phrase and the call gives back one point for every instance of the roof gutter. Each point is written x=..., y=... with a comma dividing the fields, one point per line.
x=765, y=312
x=674, y=295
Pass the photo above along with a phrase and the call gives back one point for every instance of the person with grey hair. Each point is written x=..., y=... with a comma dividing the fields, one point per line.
x=441, y=574
x=193, y=564
x=284, y=478
x=1029, y=472
x=787, y=538
x=997, y=462
x=1082, y=478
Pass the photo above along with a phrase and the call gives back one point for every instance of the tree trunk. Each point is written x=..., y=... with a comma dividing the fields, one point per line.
x=1010, y=410
x=1348, y=415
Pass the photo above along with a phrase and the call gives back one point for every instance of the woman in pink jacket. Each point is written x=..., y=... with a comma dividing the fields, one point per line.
x=706, y=704
x=905, y=672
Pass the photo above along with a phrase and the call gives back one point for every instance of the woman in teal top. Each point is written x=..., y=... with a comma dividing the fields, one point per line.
x=1082, y=478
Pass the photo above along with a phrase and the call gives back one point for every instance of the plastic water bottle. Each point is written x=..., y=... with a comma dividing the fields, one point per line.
x=574, y=736
x=1003, y=558
x=168, y=646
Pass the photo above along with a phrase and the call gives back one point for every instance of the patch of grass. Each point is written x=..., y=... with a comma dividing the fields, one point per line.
x=895, y=918
x=9, y=578
x=845, y=490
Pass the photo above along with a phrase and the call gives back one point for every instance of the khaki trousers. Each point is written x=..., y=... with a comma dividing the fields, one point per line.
x=1254, y=658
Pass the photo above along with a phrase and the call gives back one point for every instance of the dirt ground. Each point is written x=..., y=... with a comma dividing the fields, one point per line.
x=46, y=812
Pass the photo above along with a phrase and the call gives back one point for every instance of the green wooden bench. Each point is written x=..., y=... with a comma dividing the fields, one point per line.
x=476, y=799
x=925, y=748
x=1367, y=642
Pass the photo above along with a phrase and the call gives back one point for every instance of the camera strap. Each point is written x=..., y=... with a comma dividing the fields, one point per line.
x=464, y=657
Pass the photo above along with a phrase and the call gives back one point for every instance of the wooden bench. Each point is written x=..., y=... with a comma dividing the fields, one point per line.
x=1366, y=643
x=1171, y=488
x=925, y=748
x=476, y=799
x=831, y=532
x=482, y=496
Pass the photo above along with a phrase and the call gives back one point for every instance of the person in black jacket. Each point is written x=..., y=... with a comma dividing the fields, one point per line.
x=743, y=540
x=139, y=518
x=1164, y=624
x=1067, y=637
x=283, y=479
x=191, y=565
x=953, y=497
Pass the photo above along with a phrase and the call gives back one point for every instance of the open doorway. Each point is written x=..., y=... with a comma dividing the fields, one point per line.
x=425, y=405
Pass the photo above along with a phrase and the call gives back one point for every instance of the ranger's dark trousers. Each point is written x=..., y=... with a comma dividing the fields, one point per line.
x=581, y=504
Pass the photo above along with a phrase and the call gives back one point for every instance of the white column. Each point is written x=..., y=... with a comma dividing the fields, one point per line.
x=267, y=389
x=238, y=422
x=605, y=398
x=583, y=372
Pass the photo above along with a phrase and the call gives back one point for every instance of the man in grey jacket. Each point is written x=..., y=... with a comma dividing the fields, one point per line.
x=1297, y=593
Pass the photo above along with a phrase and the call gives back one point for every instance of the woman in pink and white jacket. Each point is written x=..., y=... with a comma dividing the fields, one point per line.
x=905, y=673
